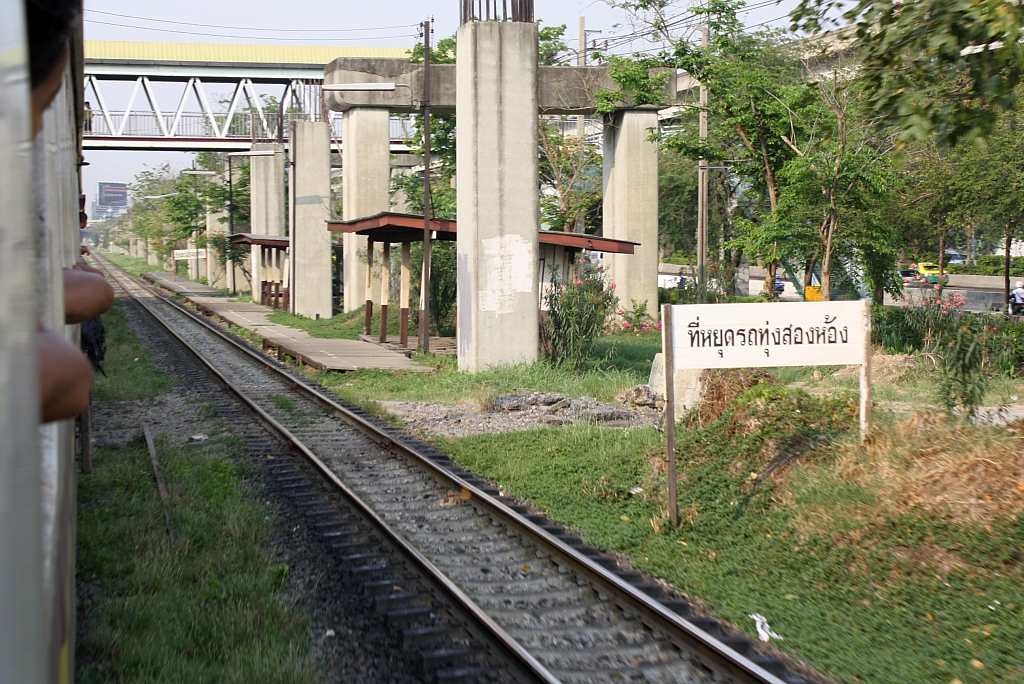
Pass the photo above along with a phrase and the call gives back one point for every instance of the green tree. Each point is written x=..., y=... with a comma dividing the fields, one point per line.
x=570, y=178
x=942, y=68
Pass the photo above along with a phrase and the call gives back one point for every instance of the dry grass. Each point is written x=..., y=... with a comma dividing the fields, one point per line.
x=884, y=367
x=929, y=462
x=721, y=388
x=487, y=397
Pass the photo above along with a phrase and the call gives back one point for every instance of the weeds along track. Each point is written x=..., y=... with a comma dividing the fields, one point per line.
x=537, y=603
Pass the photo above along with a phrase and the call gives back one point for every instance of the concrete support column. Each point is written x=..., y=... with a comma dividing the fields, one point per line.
x=311, y=208
x=498, y=213
x=193, y=264
x=402, y=165
x=216, y=271
x=631, y=205
x=366, y=179
x=152, y=258
x=266, y=190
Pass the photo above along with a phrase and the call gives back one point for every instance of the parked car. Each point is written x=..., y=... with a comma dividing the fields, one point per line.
x=909, y=276
x=953, y=257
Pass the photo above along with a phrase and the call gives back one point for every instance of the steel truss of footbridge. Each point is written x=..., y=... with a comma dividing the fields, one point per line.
x=129, y=117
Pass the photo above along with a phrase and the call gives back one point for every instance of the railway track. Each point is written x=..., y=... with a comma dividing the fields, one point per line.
x=538, y=603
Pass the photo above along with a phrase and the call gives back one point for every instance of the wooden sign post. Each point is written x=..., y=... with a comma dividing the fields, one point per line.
x=670, y=410
x=702, y=336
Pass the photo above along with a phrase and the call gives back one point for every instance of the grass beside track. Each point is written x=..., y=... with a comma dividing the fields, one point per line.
x=133, y=265
x=210, y=607
x=620, y=361
x=852, y=553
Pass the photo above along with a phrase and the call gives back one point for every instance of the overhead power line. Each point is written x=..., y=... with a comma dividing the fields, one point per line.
x=226, y=35
x=250, y=28
x=687, y=19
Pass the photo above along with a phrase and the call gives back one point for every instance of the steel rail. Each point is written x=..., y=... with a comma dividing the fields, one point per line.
x=683, y=633
x=514, y=650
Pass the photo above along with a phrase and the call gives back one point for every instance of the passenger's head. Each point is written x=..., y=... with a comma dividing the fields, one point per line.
x=50, y=23
x=1020, y=284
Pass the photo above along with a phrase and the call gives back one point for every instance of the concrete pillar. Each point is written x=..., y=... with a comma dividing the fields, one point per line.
x=133, y=247
x=402, y=165
x=216, y=275
x=498, y=212
x=153, y=259
x=311, y=208
x=266, y=192
x=366, y=169
x=193, y=264
x=631, y=205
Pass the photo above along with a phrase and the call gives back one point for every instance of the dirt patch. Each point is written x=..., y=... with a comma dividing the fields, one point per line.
x=514, y=413
x=944, y=560
x=887, y=367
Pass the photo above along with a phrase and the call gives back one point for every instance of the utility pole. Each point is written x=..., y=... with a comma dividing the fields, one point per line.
x=425, y=279
x=702, y=184
x=581, y=60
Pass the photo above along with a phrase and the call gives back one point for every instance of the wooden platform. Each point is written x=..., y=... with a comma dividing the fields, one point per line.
x=320, y=353
x=182, y=286
x=441, y=346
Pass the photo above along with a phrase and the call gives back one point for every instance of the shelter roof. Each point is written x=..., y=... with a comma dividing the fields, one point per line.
x=394, y=227
x=219, y=53
x=278, y=241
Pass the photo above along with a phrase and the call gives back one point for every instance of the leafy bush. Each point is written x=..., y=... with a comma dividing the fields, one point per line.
x=891, y=329
x=969, y=349
x=963, y=378
x=637, y=318
x=689, y=295
x=577, y=312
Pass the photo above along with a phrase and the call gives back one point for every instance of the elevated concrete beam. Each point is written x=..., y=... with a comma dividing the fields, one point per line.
x=498, y=211
x=559, y=90
x=311, y=208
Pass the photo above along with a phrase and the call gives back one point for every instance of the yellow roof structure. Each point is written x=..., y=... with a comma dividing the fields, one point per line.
x=230, y=53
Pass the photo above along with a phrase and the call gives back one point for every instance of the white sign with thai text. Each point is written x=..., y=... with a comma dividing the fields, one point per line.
x=767, y=335
x=183, y=254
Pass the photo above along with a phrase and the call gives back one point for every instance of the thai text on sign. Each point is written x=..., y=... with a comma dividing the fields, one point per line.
x=767, y=335
x=182, y=254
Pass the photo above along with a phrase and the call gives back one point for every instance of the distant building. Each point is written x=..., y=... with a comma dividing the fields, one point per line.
x=111, y=201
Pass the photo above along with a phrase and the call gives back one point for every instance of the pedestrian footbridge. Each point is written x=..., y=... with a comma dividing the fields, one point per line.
x=193, y=97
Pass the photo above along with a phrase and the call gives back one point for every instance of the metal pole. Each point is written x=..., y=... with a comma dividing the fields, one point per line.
x=425, y=280
x=670, y=411
x=702, y=182
x=581, y=60
x=231, y=199
x=865, y=375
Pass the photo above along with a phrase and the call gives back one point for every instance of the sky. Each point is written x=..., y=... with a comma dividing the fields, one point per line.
x=383, y=23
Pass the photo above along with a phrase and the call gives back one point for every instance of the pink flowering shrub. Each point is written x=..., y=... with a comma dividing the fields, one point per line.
x=577, y=313
x=637, y=317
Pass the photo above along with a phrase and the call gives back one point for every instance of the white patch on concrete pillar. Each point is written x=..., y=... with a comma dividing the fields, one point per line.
x=507, y=268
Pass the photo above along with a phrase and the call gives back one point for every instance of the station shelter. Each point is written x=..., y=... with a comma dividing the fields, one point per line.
x=270, y=267
x=557, y=257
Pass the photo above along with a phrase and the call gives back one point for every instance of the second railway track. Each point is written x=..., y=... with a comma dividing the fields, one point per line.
x=553, y=608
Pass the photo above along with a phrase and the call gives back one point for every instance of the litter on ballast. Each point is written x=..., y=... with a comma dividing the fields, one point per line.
x=764, y=630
